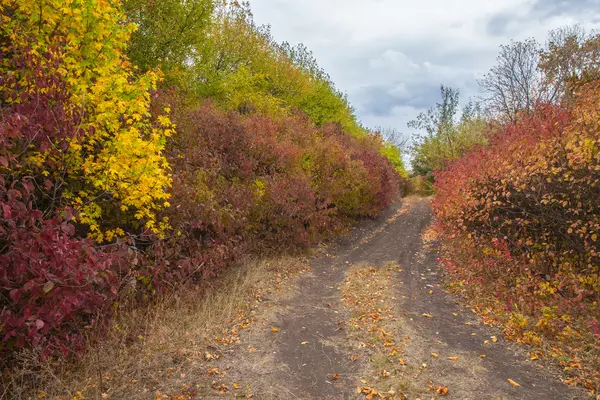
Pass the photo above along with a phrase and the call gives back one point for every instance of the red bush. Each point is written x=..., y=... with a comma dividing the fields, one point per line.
x=241, y=184
x=51, y=283
x=523, y=224
x=250, y=184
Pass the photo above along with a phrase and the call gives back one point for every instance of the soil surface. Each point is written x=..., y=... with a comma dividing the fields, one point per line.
x=300, y=346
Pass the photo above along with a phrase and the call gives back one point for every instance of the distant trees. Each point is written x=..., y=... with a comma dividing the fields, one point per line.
x=515, y=83
x=445, y=136
x=571, y=55
x=528, y=74
x=168, y=32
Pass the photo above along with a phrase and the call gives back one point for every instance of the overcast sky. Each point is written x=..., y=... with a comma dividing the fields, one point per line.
x=391, y=56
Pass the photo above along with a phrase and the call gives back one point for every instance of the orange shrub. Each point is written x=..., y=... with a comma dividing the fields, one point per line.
x=523, y=217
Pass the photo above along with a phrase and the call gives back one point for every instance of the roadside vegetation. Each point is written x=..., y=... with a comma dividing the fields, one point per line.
x=516, y=197
x=147, y=146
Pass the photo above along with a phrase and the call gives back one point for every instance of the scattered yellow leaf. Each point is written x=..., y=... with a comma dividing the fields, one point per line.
x=274, y=330
x=335, y=377
x=494, y=339
x=427, y=315
x=452, y=358
x=435, y=355
x=442, y=390
x=482, y=355
x=513, y=382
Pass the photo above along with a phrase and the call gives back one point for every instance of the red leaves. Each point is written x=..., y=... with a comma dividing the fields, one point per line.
x=51, y=313
x=523, y=218
x=254, y=183
x=7, y=211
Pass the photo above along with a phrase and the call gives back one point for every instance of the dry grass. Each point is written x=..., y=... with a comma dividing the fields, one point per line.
x=162, y=350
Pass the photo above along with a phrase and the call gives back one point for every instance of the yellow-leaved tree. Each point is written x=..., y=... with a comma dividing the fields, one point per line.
x=114, y=172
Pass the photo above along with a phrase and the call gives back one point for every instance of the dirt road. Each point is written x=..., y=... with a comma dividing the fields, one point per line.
x=372, y=320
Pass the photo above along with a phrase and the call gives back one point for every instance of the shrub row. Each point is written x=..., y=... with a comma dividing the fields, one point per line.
x=99, y=192
x=524, y=221
x=254, y=183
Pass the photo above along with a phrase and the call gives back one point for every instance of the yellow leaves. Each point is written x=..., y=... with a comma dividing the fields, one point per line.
x=259, y=187
x=369, y=392
x=274, y=330
x=454, y=358
x=439, y=390
x=515, y=384
x=426, y=315
x=120, y=154
x=435, y=355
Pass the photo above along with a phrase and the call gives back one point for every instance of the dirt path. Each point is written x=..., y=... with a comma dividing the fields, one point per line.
x=373, y=315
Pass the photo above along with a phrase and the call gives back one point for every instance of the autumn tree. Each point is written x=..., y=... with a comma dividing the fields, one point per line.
x=113, y=164
x=571, y=57
x=515, y=84
x=443, y=135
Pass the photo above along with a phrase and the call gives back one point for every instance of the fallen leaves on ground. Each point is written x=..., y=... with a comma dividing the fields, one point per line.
x=439, y=389
x=372, y=327
x=513, y=382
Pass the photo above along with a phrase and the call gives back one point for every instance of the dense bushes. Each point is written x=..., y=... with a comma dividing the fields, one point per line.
x=252, y=183
x=113, y=158
x=100, y=191
x=52, y=283
x=524, y=219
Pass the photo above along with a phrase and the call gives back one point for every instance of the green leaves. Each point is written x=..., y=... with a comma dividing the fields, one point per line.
x=443, y=136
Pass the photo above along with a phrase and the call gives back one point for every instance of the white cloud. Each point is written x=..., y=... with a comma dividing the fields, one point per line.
x=390, y=56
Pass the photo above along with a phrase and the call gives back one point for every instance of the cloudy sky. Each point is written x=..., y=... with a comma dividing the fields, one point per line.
x=391, y=56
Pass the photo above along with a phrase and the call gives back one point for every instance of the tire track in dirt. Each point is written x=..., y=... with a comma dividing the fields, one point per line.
x=310, y=355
